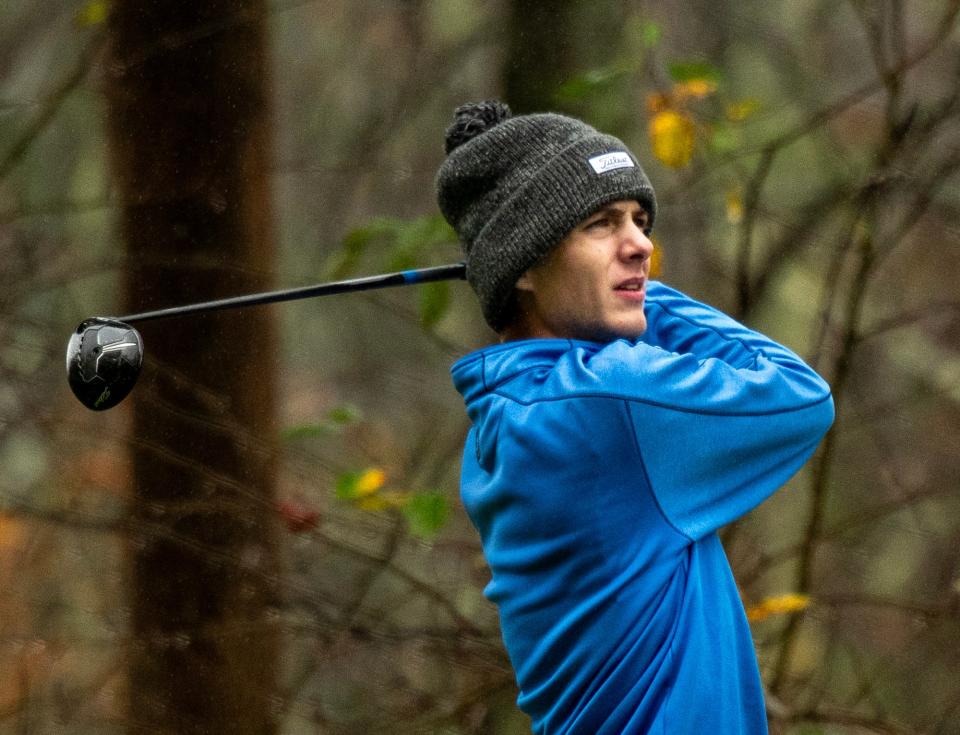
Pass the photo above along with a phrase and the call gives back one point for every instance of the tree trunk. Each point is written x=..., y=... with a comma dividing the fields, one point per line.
x=189, y=139
x=540, y=53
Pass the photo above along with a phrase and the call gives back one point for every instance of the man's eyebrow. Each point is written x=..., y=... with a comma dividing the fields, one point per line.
x=611, y=209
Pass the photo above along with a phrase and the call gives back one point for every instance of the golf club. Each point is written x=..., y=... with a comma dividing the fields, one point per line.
x=104, y=354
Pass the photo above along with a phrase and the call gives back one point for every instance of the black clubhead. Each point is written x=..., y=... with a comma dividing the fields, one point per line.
x=103, y=362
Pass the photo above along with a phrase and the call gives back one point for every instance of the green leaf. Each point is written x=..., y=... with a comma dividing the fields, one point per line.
x=650, y=34
x=345, y=413
x=402, y=260
x=333, y=423
x=724, y=139
x=305, y=431
x=413, y=238
x=580, y=86
x=346, y=487
x=434, y=301
x=404, y=241
x=573, y=89
x=426, y=513
x=355, y=244
x=686, y=71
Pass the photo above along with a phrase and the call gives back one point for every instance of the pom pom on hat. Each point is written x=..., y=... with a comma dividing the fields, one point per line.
x=474, y=118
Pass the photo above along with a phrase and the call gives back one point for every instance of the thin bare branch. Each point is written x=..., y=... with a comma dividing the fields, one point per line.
x=750, y=207
x=52, y=104
x=836, y=716
x=910, y=318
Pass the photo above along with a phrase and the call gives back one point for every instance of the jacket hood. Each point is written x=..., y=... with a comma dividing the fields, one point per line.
x=478, y=375
x=481, y=372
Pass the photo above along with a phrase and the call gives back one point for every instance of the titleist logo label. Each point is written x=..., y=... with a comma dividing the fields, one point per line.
x=611, y=161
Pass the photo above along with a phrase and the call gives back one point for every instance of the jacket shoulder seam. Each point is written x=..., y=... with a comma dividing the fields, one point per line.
x=646, y=475
x=724, y=337
x=658, y=404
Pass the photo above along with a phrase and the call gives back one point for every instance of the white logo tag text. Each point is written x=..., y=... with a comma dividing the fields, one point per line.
x=611, y=161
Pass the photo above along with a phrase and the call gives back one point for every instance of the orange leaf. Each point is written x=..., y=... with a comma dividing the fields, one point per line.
x=11, y=532
x=657, y=102
x=695, y=88
x=778, y=605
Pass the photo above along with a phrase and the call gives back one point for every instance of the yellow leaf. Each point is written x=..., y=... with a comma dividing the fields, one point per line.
x=370, y=481
x=695, y=88
x=778, y=605
x=93, y=13
x=672, y=138
x=734, y=206
x=742, y=109
x=656, y=259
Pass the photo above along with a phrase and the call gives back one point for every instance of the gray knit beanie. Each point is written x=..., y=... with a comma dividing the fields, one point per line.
x=514, y=187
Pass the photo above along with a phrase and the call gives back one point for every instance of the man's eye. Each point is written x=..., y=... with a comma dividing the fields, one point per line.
x=596, y=222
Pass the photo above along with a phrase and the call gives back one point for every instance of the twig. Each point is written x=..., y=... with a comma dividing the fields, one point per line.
x=930, y=612
x=860, y=518
x=824, y=459
x=53, y=102
x=842, y=717
x=933, y=309
x=944, y=28
x=416, y=583
x=751, y=203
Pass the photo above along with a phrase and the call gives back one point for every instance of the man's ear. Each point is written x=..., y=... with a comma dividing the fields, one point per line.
x=524, y=283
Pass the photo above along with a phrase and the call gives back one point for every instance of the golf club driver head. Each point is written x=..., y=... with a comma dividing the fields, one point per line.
x=103, y=362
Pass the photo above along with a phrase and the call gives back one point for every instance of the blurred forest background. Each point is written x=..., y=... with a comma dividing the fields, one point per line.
x=267, y=536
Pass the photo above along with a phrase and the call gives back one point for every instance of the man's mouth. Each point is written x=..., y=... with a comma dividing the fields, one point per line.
x=632, y=290
x=631, y=284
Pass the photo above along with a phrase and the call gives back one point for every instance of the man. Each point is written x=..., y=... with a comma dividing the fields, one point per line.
x=616, y=427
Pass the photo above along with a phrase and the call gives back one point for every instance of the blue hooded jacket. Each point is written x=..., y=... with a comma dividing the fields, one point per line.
x=597, y=476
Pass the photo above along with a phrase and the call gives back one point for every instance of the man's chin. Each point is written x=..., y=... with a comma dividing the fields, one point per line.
x=631, y=331
x=612, y=332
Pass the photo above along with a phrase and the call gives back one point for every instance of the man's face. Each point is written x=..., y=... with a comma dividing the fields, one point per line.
x=593, y=284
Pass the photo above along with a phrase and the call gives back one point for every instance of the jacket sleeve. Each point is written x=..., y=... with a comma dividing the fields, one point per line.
x=722, y=416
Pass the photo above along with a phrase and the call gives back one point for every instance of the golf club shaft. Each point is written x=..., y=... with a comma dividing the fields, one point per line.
x=401, y=278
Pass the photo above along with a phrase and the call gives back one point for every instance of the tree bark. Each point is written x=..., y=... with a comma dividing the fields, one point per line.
x=189, y=137
x=540, y=53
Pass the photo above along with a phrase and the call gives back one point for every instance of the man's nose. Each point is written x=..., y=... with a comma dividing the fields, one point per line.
x=635, y=245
